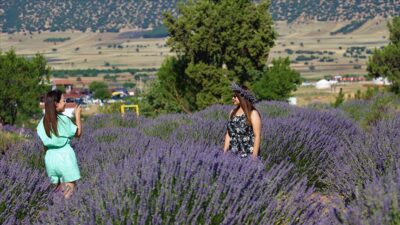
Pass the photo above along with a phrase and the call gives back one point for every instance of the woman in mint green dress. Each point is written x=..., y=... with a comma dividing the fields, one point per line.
x=56, y=131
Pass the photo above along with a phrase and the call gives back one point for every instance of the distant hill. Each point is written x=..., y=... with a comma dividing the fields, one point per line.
x=114, y=15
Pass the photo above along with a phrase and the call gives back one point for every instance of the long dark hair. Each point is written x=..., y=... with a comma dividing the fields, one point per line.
x=246, y=106
x=50, y=112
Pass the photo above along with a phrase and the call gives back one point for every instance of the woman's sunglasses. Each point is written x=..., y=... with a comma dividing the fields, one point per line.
x=237, y=95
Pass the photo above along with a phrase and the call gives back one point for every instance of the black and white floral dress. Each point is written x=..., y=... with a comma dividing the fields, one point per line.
x=241, y=136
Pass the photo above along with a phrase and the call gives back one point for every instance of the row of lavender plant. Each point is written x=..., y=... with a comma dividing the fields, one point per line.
x=374, y=203
x=317, y=143
x=172, y=170
x=24, y=192
x=183, y=183
x=129, y=177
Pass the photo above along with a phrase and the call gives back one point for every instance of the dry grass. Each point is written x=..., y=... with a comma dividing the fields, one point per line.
x=370, y=35
x=309, y=94
x=90, y=45
x=8, y=139
x=315, y=36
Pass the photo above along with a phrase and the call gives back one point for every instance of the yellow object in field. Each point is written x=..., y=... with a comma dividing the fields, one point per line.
x=130, y=106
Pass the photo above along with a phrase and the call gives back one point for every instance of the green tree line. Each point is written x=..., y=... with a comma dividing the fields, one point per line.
x=386, y=62
x=23, y=81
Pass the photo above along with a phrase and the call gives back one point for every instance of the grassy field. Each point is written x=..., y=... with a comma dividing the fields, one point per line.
x=117, y=50
x=310, y=95
x=89, y=50
x=316, y=36
x=107, y=50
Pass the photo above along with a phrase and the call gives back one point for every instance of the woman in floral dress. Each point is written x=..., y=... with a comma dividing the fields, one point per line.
x=243, y=134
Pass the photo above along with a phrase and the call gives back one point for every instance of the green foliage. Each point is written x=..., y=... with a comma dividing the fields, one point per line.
x=172, y=90
x=277, y=82
x=371, y=92
x=371, y=106
x=112, y=108
x=234, y=33
x=157, y=32
x=22, y=82
x=8, y=139
x=354, y=25
x=386, y=62
x=379, y=110
x=110, y=77
x=358, y=94
x=339, y=99
x=95, y=72
x=216, y=42
x=305, y=58
x=211, y=84
x=62, y=89
x=165, y=127
x=100, y=90
x=394, y=29
x=57, y=39
x=129, y=85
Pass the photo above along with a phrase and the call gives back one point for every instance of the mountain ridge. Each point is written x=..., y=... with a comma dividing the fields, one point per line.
x=113, y=16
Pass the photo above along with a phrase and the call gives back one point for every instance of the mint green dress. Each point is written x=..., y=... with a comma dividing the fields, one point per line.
x=60, y=159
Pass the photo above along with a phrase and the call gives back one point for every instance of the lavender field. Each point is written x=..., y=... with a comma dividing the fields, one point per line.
x=318, y=165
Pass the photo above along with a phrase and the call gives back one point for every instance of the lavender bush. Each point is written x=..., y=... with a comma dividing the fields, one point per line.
x=385, y=145
x=376, y=203
x=23, y=193
x=316, y=142
x=369, y=112
x=186, y=185
x=316, y=167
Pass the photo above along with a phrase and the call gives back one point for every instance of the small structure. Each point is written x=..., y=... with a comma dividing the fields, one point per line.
x=323, y=84
x=292, y=100
x=306, y=84
x=136, y=107
x=65, y=83
x=381, y=81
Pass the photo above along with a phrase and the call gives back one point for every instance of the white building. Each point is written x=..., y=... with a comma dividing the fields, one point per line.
x=323, y=84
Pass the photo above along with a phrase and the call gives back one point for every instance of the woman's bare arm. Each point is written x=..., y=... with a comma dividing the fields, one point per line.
x=256, y=124
x=227, y=137
x=78, y=121
x=227, y=140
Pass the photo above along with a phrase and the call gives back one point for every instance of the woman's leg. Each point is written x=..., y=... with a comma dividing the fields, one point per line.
x=58, y=187
x=68, y=189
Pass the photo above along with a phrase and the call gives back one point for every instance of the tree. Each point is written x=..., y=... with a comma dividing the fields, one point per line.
x=211, y=84
x=276, y=82
x=339, y=99
x=172, y=91
x=386, y=62
x=22, y=82
x=394, y=30
x=216, y=42
x=100, y=90
x=236, y=33
x=129, y=85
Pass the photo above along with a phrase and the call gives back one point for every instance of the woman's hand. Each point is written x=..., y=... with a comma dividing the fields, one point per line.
x=78, y=111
